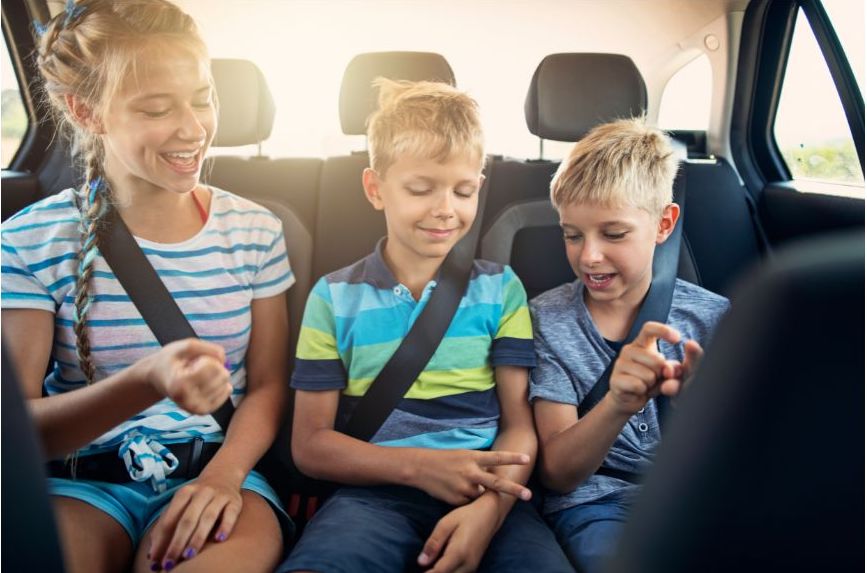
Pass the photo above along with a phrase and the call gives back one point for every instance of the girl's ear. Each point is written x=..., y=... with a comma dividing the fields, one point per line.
x=370, y=181
x=667, y=221
x=83, y=115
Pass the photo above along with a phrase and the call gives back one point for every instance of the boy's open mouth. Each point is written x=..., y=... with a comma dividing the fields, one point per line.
x=598, y=280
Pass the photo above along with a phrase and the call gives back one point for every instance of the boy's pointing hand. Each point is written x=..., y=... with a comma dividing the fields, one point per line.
x=640, y=367
x=460, y=476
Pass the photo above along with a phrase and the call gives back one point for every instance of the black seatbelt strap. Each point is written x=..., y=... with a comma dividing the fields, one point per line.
x=656, y=304
x=425, y=335
x=149, y=294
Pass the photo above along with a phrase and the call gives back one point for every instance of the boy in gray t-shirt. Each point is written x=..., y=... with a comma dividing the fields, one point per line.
x=613, y=194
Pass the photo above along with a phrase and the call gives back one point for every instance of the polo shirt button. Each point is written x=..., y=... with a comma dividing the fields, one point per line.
x=642, y=427
x=642, y=410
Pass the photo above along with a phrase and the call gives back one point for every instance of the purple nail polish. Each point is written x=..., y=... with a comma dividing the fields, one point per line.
x=228, y=365
x=189, y=553
x=169, y=565
x=221, y=536
x=155, y=567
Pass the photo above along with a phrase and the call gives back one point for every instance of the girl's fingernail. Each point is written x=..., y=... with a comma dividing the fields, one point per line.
x=228, y=365
x=221, y=536
x=169, y=565
x=155, y=567
x=189, y=553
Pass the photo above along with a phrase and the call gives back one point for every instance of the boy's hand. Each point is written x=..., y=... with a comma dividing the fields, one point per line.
x=460, y=476
x=190, y=372
x=692, y=357
x=640, y=367
x=460, y=538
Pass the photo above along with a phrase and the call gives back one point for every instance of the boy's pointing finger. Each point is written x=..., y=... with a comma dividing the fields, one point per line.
x=653, y=331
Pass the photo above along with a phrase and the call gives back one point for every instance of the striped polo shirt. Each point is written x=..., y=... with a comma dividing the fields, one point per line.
x=239, y=255
x=357, y=317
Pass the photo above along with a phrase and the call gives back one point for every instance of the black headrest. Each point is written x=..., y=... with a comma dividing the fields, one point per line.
x=246, y=105
x=358, y=99
x=572, y=93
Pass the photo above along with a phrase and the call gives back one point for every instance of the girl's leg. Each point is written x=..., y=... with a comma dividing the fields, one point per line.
x=93, y=541
x=255, y=544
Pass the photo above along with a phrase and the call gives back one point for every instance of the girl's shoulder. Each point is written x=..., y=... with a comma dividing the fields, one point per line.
x=233, y=209
x=60, y=209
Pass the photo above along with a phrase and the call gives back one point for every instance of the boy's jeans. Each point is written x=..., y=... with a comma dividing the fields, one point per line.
x=589, y=532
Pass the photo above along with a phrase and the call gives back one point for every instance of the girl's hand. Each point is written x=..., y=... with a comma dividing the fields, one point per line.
x=191, y=373
x=209, y=505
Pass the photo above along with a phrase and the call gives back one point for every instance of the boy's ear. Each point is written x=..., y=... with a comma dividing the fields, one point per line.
x=83, y=115
x=667, y=221
x=370, y=181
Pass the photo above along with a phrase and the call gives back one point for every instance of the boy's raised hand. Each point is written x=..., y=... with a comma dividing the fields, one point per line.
x=460, y=476
x=640, y=367
x=190, y=372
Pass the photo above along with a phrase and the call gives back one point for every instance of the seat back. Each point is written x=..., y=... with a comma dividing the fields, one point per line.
x=762, y=466
x=347, y=227
x=287, y=187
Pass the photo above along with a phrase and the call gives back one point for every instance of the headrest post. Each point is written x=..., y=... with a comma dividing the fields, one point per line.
x=541, y=148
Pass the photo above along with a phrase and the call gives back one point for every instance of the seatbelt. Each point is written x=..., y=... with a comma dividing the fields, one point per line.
x=425, y=335
x=149, y=294
x=656, y=304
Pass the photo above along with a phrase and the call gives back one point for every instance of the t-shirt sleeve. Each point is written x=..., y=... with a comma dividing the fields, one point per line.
x=20, y=287
x=274, y=274
x=318, y=365
x=550, y=379
x=513, y=341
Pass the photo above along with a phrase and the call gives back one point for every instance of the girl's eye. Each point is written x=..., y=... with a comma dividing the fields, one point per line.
x=156, y=114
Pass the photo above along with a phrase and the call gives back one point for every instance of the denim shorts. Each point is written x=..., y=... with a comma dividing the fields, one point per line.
x=384, y=529
x=135, y=506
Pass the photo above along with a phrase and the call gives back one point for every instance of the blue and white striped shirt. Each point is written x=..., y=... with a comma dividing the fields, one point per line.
x=239, y=255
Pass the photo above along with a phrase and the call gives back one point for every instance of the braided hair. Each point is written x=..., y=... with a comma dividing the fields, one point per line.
x=86, y=52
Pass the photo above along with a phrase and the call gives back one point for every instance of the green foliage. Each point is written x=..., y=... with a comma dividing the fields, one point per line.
x=834, y=161
x=14, y=117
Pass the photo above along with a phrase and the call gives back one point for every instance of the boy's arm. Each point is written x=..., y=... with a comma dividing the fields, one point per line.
x=572, y=449
x=465, y=532
x=453, y=476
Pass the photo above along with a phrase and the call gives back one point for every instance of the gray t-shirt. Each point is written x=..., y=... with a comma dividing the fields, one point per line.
x=572, y=355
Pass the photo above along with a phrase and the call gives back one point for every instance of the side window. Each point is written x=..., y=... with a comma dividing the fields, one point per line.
x=810, y=128
x=686, y=99
x=14, y=116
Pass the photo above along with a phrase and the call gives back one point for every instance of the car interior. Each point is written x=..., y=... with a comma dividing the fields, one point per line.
x=762, y=468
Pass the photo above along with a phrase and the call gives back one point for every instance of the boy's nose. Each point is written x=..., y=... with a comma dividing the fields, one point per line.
x=444, y=207
x=591, y=253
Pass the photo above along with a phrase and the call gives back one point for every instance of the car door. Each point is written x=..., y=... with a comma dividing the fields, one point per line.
x=798, y=120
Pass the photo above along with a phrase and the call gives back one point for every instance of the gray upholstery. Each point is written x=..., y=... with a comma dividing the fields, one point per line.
x=572, y=93
x=245, y=103
x=358, y=100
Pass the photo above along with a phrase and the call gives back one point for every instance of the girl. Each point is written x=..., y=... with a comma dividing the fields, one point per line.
x=132, y=81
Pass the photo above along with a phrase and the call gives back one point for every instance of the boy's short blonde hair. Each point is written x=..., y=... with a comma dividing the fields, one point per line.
x=423, y=119
x=625, y=162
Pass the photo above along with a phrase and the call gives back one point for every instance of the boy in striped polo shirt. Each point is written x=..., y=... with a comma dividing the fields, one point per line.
x=441, y=479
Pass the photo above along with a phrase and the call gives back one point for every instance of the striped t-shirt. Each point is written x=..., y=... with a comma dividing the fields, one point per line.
x=357, y=317
x=239, y=255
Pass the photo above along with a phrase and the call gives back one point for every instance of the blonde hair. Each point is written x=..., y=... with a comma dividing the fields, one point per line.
x=88, y=51
x=625, y=162
x=424, y=119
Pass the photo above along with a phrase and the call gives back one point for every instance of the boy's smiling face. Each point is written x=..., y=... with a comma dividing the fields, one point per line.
x=610, y=249
x=429, y=206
